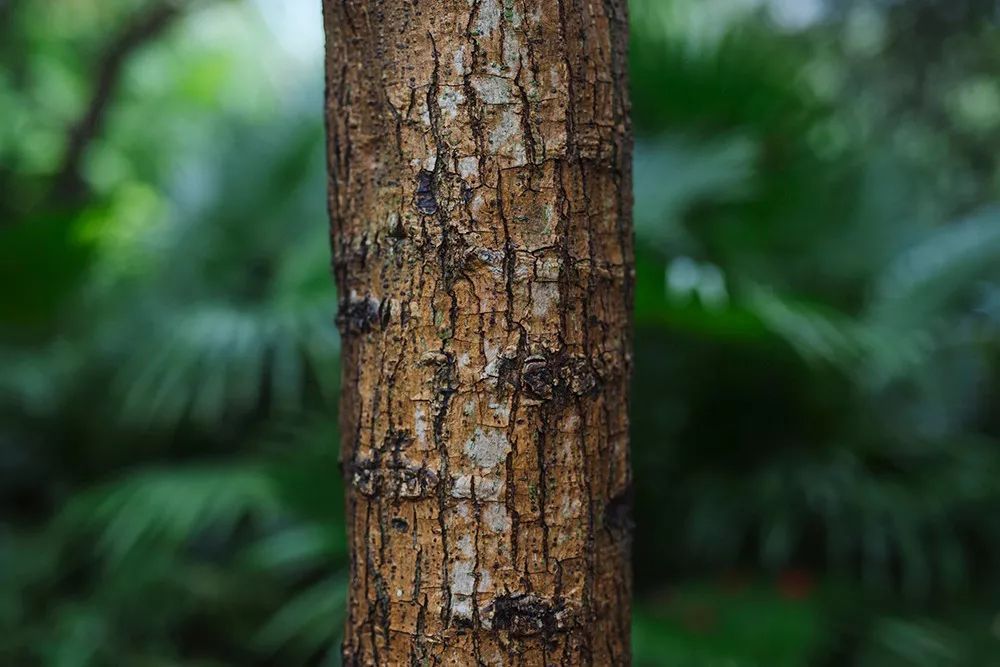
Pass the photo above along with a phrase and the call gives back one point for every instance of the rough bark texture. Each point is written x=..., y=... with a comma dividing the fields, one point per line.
x=480, y=196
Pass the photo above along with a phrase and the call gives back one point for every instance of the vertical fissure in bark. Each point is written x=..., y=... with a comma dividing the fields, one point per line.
x=480, y=204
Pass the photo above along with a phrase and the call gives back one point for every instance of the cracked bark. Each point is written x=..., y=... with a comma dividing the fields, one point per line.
x=480, y=202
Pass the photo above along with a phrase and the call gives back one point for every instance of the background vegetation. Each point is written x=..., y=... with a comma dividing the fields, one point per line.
x=818, y=309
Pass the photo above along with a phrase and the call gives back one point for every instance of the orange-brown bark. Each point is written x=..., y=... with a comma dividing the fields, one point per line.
x=480, y=198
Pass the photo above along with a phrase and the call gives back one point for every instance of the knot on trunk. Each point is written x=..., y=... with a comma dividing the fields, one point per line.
x=396, y=480
x=425, y=197
x=618, y=514
x=537, y=378
x=362, y=315
x=525, y=615
x=546, y=378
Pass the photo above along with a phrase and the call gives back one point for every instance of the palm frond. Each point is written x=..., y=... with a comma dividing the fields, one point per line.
x=310, y=623
x=674, y=173
x=907, y=532
x=915, y=288
x=872, y=352
x=168, y=508
x=225, y=321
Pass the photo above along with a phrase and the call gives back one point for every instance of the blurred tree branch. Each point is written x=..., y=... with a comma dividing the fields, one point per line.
x=11, y=41
x=6, y=9
x=141, y=28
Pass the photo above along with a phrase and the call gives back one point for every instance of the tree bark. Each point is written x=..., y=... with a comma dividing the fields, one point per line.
x=480, y=203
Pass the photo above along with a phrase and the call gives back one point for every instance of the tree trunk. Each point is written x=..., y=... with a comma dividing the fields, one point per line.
x=480, y=201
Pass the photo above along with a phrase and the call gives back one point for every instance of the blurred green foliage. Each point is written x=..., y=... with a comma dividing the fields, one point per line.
x=815, y=429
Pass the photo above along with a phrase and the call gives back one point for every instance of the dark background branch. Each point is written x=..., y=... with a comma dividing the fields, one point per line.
x=146, y=25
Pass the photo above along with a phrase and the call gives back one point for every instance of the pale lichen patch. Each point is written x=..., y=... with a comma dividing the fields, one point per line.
x=570, y=508
x=468, y=167
x=501, y=411
x=555, y=77
x=465, y=546
x=461, y=607
x=420, y=425
x=506, y=129
x=462, y=487
x=489, y=488
x=510, y=13
x=511, y=50
x=491, y=353
x=493, y=89
x=458, y=61
x=477, y=204
x=488, y=17
x=449, y=100
x=462, y=580
x=496, y=517
x=392, y=222
x=426, y=164
x=485, y=581
x=544, y=298
x=487, y=447
x=468, y=487
x=519, y=155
